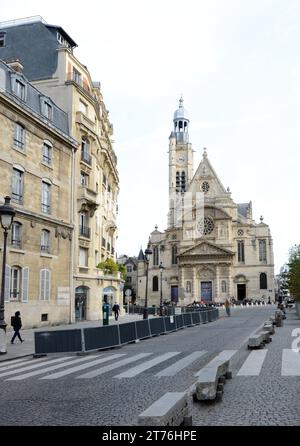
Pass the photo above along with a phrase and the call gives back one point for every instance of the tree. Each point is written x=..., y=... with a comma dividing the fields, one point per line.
x=293, y=274
x=111, y=267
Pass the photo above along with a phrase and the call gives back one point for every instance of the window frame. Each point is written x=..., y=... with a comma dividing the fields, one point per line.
x=19, y=137
x=19, y=182
x=45, y=241
x=46, y=192
x=47, y=158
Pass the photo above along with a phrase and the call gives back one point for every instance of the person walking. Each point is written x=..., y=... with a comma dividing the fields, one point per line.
x=16, y=323
x=227, y=307
x=116, y=310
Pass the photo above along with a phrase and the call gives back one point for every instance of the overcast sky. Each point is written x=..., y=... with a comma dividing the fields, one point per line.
x=237, y=64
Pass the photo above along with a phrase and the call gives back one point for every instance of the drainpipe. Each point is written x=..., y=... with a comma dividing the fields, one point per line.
x=72, y=207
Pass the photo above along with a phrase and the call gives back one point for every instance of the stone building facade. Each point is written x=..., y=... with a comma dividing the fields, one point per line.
x=212, y=249
x=36, y=159
x=59, y=75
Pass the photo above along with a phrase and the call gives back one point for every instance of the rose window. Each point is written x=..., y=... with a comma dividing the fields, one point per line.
x=240, y=232
x=205, y=186
x=206, y=225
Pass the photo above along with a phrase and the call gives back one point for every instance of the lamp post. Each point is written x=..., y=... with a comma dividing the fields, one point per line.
x=161, y=268
x=148, y=253
x=7, y=214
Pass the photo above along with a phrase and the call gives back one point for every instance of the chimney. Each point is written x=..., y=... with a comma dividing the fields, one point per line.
x=15, y=65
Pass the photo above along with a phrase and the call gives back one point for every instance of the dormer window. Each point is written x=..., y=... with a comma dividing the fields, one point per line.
x=62, y=40
x=19, y=89
x=46, y=108
x=2, y=40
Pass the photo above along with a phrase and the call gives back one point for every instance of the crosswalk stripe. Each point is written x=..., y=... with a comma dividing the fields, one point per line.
x=20, y=364
x=110, y=367
x=82, y=366
x=52, y=367
x=23, y=369
x=253, y=364
x=146, y=365
x=290, y=363
x=223, y=356
x=181, y=364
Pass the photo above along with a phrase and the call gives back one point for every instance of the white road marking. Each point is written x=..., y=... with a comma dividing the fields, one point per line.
x=110, y=367
x=52, y=367
x=223, y=356
x=146, y=365
x=181, y=364
x=253, y=364
x=35, y=366
x=290, y=363
x=20, y=363
x=82, y=366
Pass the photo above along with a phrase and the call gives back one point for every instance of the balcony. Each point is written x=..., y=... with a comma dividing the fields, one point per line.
x=82, y=119
x=86, y=157
x=16, y=243
x=84, y=231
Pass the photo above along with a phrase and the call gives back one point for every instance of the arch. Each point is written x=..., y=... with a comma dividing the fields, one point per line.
x=224, y=286
x=188, y=286
x=155, y=283
x=18, y=167
x=263, y=281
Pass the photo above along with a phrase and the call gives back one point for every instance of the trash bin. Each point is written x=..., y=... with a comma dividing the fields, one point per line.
x=105, y=313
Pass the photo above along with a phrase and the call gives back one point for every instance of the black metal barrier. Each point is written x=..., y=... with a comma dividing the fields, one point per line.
x=101, y=337
x=57, y=341
x=97, y=338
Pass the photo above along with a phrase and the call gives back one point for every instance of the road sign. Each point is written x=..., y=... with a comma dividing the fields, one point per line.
x=128, y=292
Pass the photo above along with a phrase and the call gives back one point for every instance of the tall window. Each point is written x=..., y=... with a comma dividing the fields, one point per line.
x=16, y=234
x=85, y=151
x=15, y=282
x=241, y=250
x=47, y=110
x=84, y=179
x=45, y=282
x=224, y=286
x=2, y=40
x=46, y=197
x=76, y=77
x=129, y=269
x=174, y=255
x=263, y=283
x=45, y=241
x=17, y=185
x=84, y=229
x=188, y=287
x=47, y=153
x=262, y=251
x=155, y=283
x=83, y=108
x=83, y=257
x=19, y=136
x=155, y=256
x=20, y=89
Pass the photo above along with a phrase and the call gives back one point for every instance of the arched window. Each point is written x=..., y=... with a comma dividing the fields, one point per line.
x=174, y=255
x=224, y=286
x=188, y=287
x=263, y=283
x=155, y=283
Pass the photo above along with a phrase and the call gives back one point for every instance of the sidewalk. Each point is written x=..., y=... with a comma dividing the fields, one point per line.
x=18, y=350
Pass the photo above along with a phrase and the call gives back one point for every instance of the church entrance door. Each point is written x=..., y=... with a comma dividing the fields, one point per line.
x=174, y=293
x=241, y=291
x=206, y=291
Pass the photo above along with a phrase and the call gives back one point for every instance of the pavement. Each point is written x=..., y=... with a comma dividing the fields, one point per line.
x=19, y=350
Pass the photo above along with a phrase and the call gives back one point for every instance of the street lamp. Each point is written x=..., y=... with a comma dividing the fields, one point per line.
x=7, y=214
x=161, y=268
x=148, y=253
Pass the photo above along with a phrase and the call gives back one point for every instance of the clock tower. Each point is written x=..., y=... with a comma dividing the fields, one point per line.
x=180, y=157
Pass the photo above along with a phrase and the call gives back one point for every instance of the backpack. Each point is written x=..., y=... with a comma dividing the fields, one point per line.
x=12, y=321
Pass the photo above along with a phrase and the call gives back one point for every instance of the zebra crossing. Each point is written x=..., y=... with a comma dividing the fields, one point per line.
x=130, y=366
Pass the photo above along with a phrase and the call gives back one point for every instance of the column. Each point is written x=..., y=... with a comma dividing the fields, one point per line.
x=217, y=284
x=194, y=285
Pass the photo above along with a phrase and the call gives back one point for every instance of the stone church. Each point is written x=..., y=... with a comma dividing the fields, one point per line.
x=212, y=248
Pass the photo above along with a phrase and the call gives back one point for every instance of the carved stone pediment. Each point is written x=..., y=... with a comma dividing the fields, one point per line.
x=206, y=249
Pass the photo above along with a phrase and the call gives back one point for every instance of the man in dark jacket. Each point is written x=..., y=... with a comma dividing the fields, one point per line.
x=116, y=310
x=16, y=324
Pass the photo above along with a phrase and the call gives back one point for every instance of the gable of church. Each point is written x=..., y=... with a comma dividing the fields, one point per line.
x=206, y=249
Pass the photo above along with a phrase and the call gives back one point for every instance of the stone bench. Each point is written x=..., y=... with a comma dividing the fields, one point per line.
x=209, y=385
x=256, y=341
x=279, y=318
x=266, y=336
x=268, y=326
x=172, y=409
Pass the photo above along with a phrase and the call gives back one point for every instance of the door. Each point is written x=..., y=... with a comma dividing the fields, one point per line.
x=80, y=303
x=206, y=291
x=174, y=293
x=241, y=291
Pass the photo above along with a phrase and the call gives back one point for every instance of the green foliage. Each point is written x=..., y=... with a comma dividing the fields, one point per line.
x=122, y=270
x=293, y=274
x=108, y=266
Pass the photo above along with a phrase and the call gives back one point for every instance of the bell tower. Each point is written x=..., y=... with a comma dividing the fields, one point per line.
x=180, y=157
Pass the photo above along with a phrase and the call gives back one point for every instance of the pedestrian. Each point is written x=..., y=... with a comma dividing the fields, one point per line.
x=269, y=301
x=116, y=310
x=16, y=323
x=227, y=307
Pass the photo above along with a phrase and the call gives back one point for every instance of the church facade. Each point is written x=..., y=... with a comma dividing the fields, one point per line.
x=212, y=248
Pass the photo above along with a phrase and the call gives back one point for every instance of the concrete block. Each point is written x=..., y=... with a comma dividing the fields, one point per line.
x=207, y=383
x=172, y=409
x=255, y=341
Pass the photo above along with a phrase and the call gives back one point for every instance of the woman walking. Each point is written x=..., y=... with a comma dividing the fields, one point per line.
x=227, y=307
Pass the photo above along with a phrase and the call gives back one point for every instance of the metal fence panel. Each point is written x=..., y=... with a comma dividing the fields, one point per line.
x=179, y=321
x=101, y=337
x=57, y=341
x=170, y=323
x=157, y=326
x=127, y=332
x=196, y=317
x=187, y=319
x=142, y=329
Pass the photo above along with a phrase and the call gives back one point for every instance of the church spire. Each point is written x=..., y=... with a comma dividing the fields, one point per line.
x=181, y=123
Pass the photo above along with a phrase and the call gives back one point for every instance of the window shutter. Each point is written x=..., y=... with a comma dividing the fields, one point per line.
x=42, y=284
x=25, y=284
x=47, y=284
x=7, y=283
